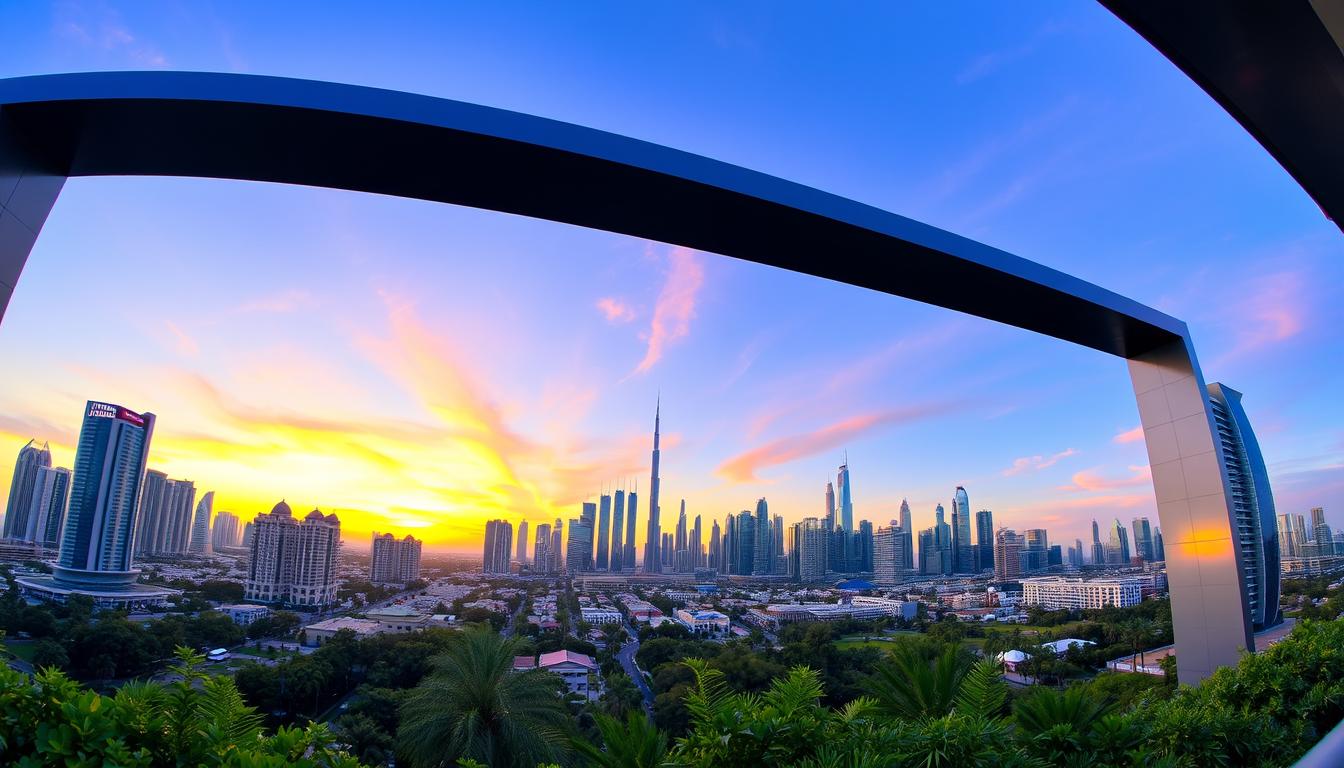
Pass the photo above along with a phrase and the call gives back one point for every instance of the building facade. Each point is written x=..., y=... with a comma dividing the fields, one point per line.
x=32, y=458
x=1054, y=593
x=498, y=547
x=200, y=525
x=393, y=560
x=293, y=562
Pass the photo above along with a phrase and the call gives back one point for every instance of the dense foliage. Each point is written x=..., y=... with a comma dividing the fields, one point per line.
x=195, y=721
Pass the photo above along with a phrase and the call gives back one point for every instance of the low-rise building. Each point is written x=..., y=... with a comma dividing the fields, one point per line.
x=704, y=622
x=398, y=618
x=322, y=631
x=1055, y=593
x=601, y=615
x=573, y=668
x=243, y=615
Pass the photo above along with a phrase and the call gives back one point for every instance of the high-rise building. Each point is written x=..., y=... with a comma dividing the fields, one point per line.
x=888, y=556
x=961, y=532
x=1076, y=554
x=631, y=506
x=714, y=561
x=579, y=551
x=1035, y=552
x=521, y=554
x=498, y=546
x=1288, y=544
x=828, y=521
x=1143, y=539
x=652, y=560
x=180, y=496
x=846, y=498
x=1321, y=534
x=1098, y=550
x=200, y=525
x=942, y=533
x=907, y=530
x=51, y=498
x=557, y=551
x=1007, y=556
x=151, y=527
x=863, y=547
x=32, y=458
x=762, y=558
x=225, y=532
x=617, y=560
x=746, y=543
x=930, y=557
x=984, y=539
x=602, y=551
x=293, y=562
x=397, y=561
x=1159, y=551
x=1252, y=504
x=541, y=550
x=99, y=530
x=812, y=548
x=777, y=545
x=1117, y=548
x=697, y=547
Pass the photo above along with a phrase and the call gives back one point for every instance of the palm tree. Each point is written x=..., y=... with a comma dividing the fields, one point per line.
x=909, y=686
x=474, y=706
x=1137, y=633
x=1059, y=723
x=636, y=743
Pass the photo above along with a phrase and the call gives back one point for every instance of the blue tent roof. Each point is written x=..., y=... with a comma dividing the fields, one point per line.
x=855, y=585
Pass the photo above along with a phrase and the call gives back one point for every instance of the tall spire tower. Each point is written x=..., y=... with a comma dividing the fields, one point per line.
x=653, y=562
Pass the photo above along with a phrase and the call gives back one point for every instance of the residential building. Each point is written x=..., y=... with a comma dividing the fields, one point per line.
x=579, y=552
x=243, y=614
x=1007, y=556
x=542, y=561
x=498, y=547
x=225, y=532
x=46, y=515
x=22, y=487
x=704, y=622
x=617, y=560
x=1055, y=593
x=521, y=555
x=602, y=551
x=576, y=669
x=889, y=556
x=200, y=525
x=293, y=562
x=395, y=561
x=984, y=539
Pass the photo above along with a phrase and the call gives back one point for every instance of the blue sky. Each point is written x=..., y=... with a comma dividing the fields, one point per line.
x=421, y=367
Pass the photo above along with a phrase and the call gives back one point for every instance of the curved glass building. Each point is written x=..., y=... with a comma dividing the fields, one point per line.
x=1252, y=506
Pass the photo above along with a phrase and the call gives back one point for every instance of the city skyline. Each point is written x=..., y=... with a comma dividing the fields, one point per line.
x=420, y=368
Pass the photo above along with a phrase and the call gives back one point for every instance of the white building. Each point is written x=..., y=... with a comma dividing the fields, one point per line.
x=573, y=668
x=394, y=561
x=293, y=562
x=601, y=615
x=399, y=619
x=322, y=631
x=704, y=622
x=1055, y=593
x=243, y=615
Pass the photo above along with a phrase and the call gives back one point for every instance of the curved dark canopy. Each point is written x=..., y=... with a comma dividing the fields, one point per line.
x=370, y=140
x=1274, y=65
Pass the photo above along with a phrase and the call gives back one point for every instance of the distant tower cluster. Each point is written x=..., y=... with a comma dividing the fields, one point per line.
x=225, y=533
x=25, y=506
x=293, y=562
x=163, y=526
x=393, y=560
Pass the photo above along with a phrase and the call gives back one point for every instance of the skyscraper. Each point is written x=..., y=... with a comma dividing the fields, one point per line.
x=1159, y=551
x=1007, y=556
x=1117, y=549
x=961, y=532
x=1321, y=534
x=396, y=561
x=1098, y=551
x=109, y=469
x=777, y=545
x=617, y=560
x=762, y=558
x=1143, y=539
x=521, y=554
x=1252, y=504
x=746, y=543
x=846, y=498
x=542, y=562
x=31, y=459
x=930, y=557
x=51, y=497
x=557, y=550
x=498, y=546
x=225, y=532
x=888, y=556
x=631, y=507
x=828, y=522
x=907, y=530
x=603, y=548
x=1035, y=549
x=579, y=551
x=652, y=560
x=697, y=549
x=681, y=558
x=984, y=539
x=200, y=525
x=813, y=543
x=715, y=557
x=942, y=533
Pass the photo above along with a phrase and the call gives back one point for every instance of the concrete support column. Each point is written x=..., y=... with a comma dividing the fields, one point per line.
x=1208, y=607
x=27, y=193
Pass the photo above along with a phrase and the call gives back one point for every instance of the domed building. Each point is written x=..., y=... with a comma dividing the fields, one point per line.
x=293, y=562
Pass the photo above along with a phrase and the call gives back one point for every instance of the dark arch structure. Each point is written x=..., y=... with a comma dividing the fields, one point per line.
x=363, y=139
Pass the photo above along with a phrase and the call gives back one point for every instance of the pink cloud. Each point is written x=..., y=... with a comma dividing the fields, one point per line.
x=1129, y=436
x=743, y=467
x=615, y=310
x=1275, y=311
x=676, y=306
x=1037, y=463
x=182, y=342
x=1089, y=480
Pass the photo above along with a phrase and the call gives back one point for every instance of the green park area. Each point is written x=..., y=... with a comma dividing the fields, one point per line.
x=21, y=650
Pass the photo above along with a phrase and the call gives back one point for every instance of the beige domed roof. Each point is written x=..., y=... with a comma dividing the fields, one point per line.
x=281, y=509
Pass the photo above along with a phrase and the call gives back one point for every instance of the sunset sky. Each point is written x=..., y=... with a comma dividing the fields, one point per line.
x=420, y=368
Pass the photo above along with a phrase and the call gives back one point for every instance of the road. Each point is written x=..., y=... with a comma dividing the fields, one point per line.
x=627, y=658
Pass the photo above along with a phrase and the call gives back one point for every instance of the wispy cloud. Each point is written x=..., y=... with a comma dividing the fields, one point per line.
x=744, y=467
x=1271, y=309
x=182, y=342
x=1089, y=480
x=1129, y=435
x=676, y=306
x=285, y=302
x=102, y=29
x=990, y=62
x=1036, y=463
x=615, y=310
